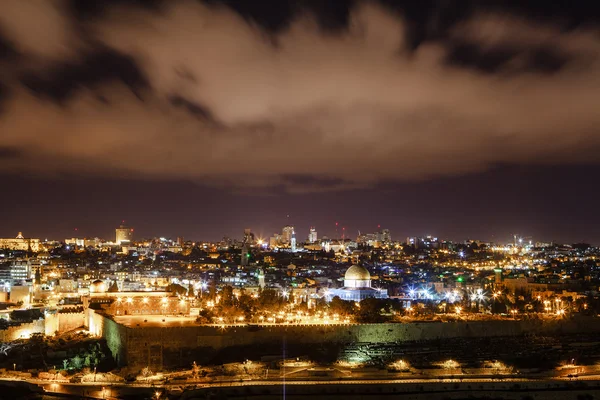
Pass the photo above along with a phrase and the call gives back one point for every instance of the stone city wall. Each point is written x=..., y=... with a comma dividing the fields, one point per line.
x=69, y=321
x=22, y=331
x=64, y=322
x=168, y=346
x=114, y=333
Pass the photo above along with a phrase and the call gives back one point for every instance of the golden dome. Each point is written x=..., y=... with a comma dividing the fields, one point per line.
x=357, y=273
x=97, y=287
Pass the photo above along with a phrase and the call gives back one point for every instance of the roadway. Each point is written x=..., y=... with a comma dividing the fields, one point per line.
x=115, y=391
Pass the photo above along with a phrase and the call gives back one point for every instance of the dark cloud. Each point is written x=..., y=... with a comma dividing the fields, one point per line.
x=7, y=50
x=506, y=58
x=96, y=68
x=9, y=152
x=195, y=109
x=300, y=95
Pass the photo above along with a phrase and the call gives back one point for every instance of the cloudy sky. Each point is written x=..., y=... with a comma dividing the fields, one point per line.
x=201, y=118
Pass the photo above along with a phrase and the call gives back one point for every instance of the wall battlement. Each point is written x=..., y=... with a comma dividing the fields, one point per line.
x=168, y=346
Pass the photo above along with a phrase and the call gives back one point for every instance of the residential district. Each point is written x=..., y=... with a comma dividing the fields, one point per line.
x=153, y=310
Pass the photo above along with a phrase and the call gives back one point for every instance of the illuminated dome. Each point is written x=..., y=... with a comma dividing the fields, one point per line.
x=97, y=287
x=357, y=286
x=357, y=272
x=357, y=277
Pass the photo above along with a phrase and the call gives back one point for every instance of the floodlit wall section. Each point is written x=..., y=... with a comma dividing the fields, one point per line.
x=150, y=346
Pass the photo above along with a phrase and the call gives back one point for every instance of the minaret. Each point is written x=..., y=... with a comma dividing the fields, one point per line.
x=293, y=242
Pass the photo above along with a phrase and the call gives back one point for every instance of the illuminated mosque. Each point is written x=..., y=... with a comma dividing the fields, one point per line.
x=357, y=286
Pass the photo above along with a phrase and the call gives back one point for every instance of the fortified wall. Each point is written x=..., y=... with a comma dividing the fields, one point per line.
x=21, y=331
x=175, y=345
x=64, y=321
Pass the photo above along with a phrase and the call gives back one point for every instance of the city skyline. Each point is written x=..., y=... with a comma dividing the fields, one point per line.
x=522, y=200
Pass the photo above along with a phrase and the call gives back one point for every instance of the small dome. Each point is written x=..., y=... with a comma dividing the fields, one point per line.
x=97, y=287
x=356, y=272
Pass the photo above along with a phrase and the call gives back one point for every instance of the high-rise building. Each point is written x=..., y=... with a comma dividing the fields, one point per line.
x=286, y=234
x=312, y=235
x=275, y=241
x=249, y=237
x=123, y=234
x=385, y=236
x=245, y=255
x=20, y=270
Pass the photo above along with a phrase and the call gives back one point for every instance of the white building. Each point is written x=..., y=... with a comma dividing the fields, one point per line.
x=312, y=235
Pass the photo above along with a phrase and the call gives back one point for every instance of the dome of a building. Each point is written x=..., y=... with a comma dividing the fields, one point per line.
x=97, y=287
x=357, y=273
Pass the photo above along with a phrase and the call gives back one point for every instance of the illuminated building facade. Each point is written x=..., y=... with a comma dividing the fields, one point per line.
x=138, y=303
x=123, y=234
x=20, y=243
x=286, y=234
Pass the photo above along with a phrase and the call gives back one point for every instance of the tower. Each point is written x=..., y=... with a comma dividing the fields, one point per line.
x=261, y=278
x=293, y=242
x=248, y=240
x=312, y=235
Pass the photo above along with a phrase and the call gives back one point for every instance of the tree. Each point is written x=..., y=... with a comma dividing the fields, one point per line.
x=176, y=289
x=370, y=311
x=268, y=299
x=77, y=362
x=342, y=307
x=205, y=316
x=227, y=296
x=212, y=290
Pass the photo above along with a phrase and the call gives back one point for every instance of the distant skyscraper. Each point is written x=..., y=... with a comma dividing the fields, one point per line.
x=274, y=240
x=386, y=237
x=286, y=234
x=312, y=235
x=249, y=237
x=245, y=255
x=123, y=234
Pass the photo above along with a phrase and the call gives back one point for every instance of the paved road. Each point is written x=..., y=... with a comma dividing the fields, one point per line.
x=107, y=391
x=100, y=391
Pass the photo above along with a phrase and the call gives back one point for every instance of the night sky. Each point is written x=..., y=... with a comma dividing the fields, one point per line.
x=202, y=118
